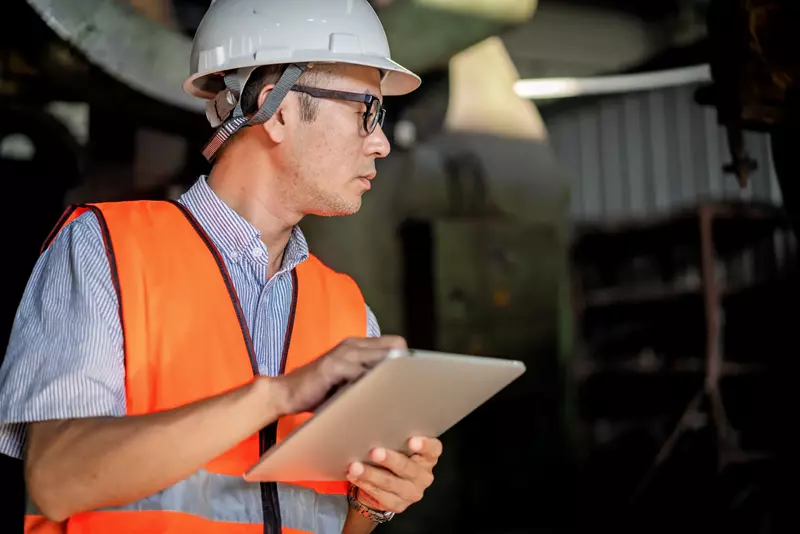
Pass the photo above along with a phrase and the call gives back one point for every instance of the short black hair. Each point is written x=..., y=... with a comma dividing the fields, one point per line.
x=270, y=74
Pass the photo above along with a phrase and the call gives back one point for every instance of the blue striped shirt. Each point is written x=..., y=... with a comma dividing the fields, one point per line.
x=65, y=358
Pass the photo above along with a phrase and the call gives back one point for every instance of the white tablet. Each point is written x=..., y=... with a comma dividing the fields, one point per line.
x=411, y=393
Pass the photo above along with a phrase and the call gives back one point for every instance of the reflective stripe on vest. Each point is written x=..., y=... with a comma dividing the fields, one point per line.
x=226, y=499
x=186, y=339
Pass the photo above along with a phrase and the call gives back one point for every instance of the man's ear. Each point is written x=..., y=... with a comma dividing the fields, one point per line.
x=275, y=127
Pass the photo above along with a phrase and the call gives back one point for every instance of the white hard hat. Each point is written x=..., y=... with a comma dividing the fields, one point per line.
x=235, y=34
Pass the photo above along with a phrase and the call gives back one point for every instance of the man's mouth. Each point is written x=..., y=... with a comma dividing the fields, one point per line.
x=366, y=180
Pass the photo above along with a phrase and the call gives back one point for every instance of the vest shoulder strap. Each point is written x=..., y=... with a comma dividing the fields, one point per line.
x=105, y=209
x=72, y=212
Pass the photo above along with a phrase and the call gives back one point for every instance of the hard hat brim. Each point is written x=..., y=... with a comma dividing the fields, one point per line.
x=397, y=80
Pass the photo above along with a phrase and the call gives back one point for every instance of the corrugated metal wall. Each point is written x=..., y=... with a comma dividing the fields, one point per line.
x=651, y=152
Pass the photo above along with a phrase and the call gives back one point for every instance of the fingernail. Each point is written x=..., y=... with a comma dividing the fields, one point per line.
x=415, y=444
x=379, y=454
x=356, y=469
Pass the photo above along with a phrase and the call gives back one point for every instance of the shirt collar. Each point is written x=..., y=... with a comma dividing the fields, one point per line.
x=231, y=233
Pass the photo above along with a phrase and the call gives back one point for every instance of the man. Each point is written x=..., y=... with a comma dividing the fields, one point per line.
x=161, y=347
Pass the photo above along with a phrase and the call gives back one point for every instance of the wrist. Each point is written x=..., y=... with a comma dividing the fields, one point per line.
x=271, y=394
x=356, y=523
x=367, y=511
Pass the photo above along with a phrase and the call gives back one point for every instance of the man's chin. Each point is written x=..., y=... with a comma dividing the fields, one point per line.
x=340, y=210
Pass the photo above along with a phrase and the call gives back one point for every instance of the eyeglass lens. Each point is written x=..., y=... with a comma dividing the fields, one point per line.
x=374, y=116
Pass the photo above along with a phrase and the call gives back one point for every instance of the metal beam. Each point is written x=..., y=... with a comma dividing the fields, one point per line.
x=121, y=40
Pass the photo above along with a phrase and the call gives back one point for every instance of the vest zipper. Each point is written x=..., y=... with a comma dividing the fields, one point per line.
x=270, y=504
x=269, y=436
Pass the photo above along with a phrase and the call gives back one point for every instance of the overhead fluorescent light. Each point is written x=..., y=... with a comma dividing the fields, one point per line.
x=507, y=10
x=550, y=88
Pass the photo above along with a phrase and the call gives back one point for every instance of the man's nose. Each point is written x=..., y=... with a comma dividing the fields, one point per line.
x=378, y=144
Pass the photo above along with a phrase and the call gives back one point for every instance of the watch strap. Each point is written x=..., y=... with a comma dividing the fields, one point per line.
x=376, y=516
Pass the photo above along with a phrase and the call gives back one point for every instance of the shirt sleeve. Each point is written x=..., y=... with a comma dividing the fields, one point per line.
x=65, y=354
x=373, y=328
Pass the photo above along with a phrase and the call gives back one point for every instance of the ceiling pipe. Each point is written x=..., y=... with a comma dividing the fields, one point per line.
x=554, y=88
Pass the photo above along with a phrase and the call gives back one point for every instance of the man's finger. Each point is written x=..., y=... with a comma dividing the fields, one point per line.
x=368, y=352
x=429, y=448
x=384, y=480
x=384, y=500
x=383, y=342
x=423, y=461
x=359, y=360
x=399, y=464
x=392, y=342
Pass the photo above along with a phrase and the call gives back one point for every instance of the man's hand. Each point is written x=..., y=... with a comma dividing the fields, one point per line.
x=306, y=387
x=397, y=481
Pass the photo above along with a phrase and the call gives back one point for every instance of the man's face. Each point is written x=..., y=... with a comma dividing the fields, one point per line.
x=333, y=158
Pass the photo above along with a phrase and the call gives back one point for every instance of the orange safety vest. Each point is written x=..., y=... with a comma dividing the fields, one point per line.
x=186, y=339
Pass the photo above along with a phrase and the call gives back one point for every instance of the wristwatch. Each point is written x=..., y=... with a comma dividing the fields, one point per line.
x=376, y=516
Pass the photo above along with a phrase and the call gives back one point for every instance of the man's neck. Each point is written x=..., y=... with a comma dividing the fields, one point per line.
x=261, y=209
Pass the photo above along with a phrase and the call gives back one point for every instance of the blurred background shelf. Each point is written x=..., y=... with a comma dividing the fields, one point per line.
x=665, y=367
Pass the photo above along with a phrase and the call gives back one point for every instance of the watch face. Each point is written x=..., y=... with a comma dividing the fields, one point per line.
x=380, y=517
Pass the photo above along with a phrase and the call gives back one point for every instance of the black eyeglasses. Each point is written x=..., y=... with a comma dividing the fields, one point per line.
x=373, y=117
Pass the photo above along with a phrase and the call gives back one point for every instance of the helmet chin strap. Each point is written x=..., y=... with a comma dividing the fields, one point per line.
x=225, y=111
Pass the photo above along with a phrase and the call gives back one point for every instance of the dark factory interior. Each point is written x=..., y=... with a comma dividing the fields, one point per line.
x=605, y=190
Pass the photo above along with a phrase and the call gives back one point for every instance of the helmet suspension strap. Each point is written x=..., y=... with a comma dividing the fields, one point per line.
x=236, y=121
